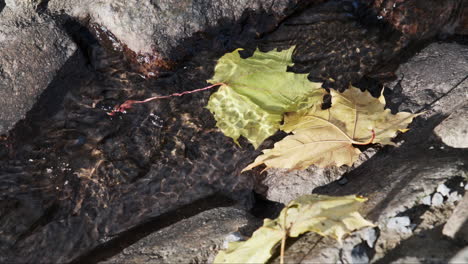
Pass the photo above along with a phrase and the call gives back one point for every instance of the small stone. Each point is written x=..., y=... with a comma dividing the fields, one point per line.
x=454, y=197
x=437, y=199
x=426, y=200
x=443, y=189
x=369, y=235
x=232, y=237
x=343, y=181
x=400, y=223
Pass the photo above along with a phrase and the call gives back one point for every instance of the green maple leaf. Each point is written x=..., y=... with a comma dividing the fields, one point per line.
x=256, y=92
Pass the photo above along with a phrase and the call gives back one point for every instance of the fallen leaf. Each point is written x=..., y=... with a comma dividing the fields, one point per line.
x=326, y=137
x=325, y=215
x=256, y=92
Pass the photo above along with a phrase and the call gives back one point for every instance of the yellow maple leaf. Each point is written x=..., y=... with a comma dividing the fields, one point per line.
x=326, y=137
x=325, y=215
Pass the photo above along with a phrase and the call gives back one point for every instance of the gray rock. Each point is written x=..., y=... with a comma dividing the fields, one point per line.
x=460, y=257
x=457, y=224
x=430, y=75
x=454, y=130
x=193, y=240
x=148, y=25
x=32, y=50
x=281, y=185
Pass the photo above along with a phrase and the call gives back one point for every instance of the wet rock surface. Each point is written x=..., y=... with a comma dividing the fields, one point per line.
x=74, y=180
x=32, y=50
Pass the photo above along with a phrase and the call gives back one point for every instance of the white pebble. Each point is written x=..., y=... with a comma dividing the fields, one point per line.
x=232, y=237
x=437, y=199
x=401, y=224
x=426, y=200
x=443, y=189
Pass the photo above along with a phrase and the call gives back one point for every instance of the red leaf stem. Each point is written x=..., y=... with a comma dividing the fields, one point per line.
x=129, y=103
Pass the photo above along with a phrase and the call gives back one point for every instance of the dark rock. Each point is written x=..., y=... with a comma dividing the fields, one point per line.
x=193, y=240
x=423, y=18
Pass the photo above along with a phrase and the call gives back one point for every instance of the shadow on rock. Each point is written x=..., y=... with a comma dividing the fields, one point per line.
x=417, y=248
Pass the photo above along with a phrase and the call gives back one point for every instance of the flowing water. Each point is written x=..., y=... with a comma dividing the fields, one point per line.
x=72, y=177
